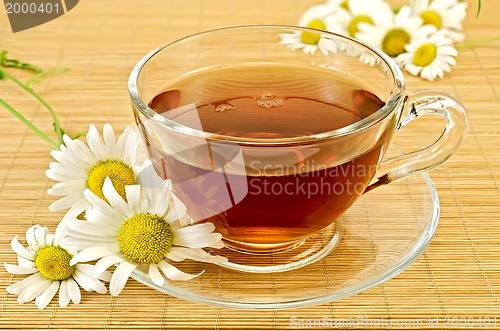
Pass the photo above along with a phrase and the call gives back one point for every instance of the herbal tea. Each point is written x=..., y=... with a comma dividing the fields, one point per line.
x=268, y=200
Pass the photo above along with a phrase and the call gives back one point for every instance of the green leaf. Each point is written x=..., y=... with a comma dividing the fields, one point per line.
x=2, y=56
x=4, y=62
x=478, y=8
x=45, y=74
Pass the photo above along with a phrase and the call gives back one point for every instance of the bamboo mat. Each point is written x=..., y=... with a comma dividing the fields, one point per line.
x=457, y=276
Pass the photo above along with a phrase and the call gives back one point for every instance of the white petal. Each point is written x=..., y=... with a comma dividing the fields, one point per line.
x=40, y=234
x=148, y=176
x=83, y=154
x=115, y=200
x=61, y=230
x=94, y=239
x=208, y=240
x=96, y=144
x=18, y=287
x=49, y=239
x=178, y=212
x=131, y=147
x=157, y=191
x=101, y=205
x=90, y=282
x=34, y=290
x=444, y=66
x=30, y=238
x=449, y=60
x=197, y=229
x=75, y=210
x=66, y=187
x=110, y=141
x=105, y=276
x=58, y=154
x=327, y=45
x=104, y=263
x=79, y=157
x=127, y=146
x=67, y=140
x=155, y=275
x=108, y=216
x=173, y=273
x=133, y=194
x=197, y=236
x=59, y=173
x=86, y=268
x=102, y=229
x=82, y=283
x=428, y=73
x=76, y=244
x=73, y=291
x=178, y=254
x=43, y=300
x=67, y=172
x=93, y=253
x=67, y=202
x=63, y=294
x=19, y=270
x=25, y=262
x=120, y=277
x=21, y=250
x=449, y=51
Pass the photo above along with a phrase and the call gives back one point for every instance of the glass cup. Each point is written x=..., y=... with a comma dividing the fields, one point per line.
x=268, y=190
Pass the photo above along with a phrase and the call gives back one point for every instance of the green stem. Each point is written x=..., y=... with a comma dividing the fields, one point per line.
x=57, y=126
x=29, y=124
x=78, y=135
x=476, y=42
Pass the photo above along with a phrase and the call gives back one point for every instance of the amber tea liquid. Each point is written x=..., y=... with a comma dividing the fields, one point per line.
x=281, y=203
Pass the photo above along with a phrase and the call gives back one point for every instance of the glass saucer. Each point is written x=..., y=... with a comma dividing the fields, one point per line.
x=383, y=233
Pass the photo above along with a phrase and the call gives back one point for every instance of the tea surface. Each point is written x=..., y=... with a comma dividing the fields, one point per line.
x=266, y=101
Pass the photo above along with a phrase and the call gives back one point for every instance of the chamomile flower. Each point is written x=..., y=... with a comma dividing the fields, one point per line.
x=48, y=263
x=429, y=56
x=80, y=167
x=143, y=230
x=358, y=11
x=445, y=15
x=391, y=33
x=317, y=17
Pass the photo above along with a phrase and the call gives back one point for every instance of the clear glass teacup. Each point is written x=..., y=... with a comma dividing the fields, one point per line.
x=273, y=144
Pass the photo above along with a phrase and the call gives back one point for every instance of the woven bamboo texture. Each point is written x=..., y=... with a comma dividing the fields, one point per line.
x=457, y=276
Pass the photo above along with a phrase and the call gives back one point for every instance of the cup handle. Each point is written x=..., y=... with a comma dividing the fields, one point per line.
x=416, y=104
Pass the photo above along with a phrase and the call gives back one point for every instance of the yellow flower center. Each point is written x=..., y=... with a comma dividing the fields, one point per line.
x=432, y=18
x=424, y=55
x=345, y=5
x=145, y=238
x=53, y=263
x=119, y=173
x=312, y=38
x=353, y=26
x=395, y=41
